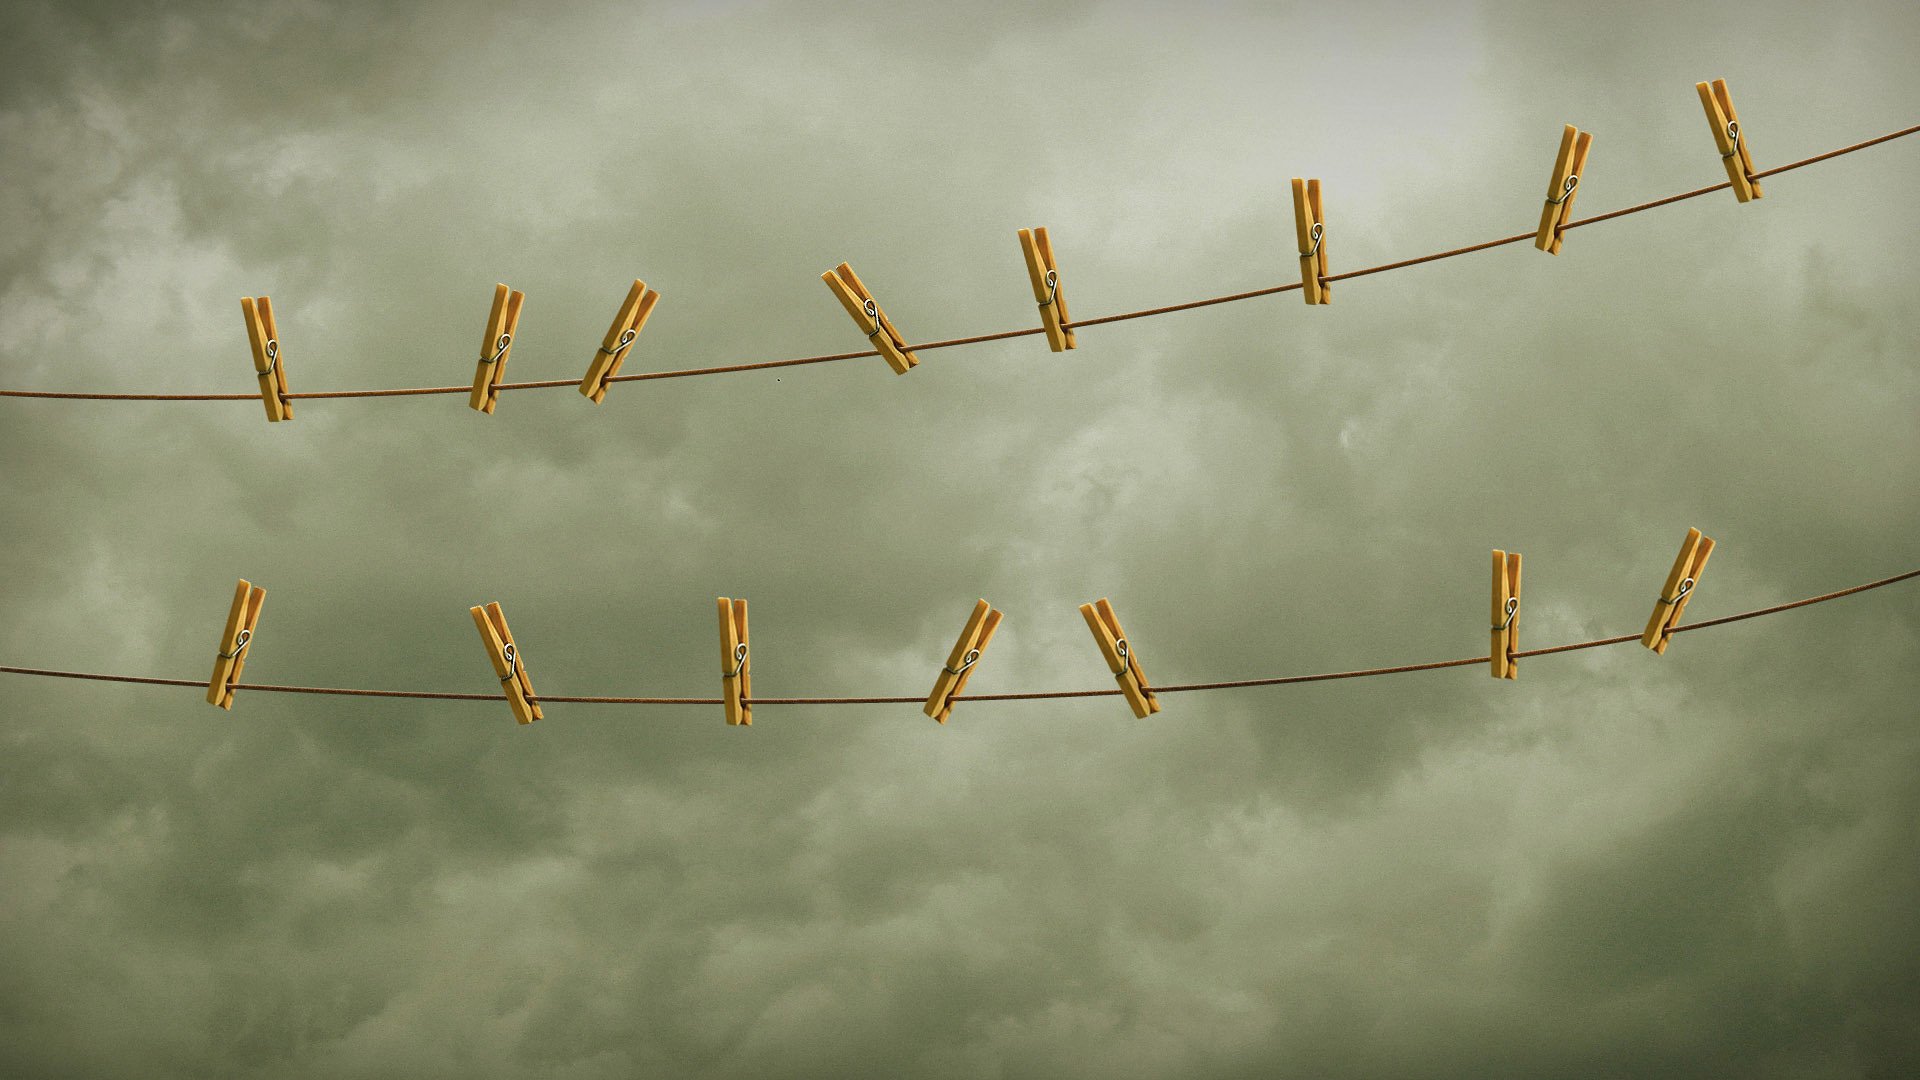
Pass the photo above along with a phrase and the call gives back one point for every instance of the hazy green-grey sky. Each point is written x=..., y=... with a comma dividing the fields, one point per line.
x=1619, y=865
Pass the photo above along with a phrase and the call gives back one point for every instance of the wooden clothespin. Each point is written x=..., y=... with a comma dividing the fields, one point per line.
x=1045, y=273
x=627, y=324
x=507, y=662
x=268, y=364
x=966, y=653
x=1681, y=583
x=1506, y=615
x=1562, y=186
x=736, y=663
x=242, y=618
x=1122, y=660
x=1310, y=227
x=872, y=321
x=502, y=322
x=1729, y=138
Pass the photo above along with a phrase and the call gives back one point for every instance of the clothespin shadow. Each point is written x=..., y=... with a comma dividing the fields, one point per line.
x=736, y=662
x=1682, y=581
x=627, y=324
x=1044, y=272
x=870, y=318
x=271, y=368
x=503, y=321
x=242, y=619
x=1568, y=166
x=1310, y=228
x=1121, y=657
x=960, y=663
x=508, y=665
x=1506, y=615
x=1729, y=138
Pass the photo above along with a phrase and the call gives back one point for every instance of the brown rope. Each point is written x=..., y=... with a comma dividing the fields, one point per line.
x=1035, y=696
x=977, y=339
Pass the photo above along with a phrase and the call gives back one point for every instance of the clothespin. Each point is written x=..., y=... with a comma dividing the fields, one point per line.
x=1046, y=288
x=736, y=665
x=1562, y=187
x=872, y=321
x=507, y=662
x=242, y=618
x=1732, y=141
x=1121, y=659
x=1506, y=615
x=966, y=653
x=627, y=324
x=1310, y=226
x=502, y=322
x=268, y=364
x=1681, y=583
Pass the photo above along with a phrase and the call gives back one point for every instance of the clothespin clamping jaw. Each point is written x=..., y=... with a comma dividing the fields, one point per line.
x=1729, y=138
x=1310, y=228
x=1562, y=186
x=1045, y=274
x=1681, y=583
x=268, y=364
x=1506, y=615
x=502, y=323
x=736, y=664
x=508, y=664
x=242, y=618
x=960, y=663
x=627, y=324
x=867, y=314
x=1122, y=660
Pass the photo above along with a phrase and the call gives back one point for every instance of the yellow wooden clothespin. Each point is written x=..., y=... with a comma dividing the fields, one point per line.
x=627, y=324
x=268, y=364
x=1506, y=615
x=966, y=653
x=1681, y=583
x=1310, y=228
x=242, y=618
x=1122, y=660
x=508, y=664
x=1562, y=186
x=1045, y=273
x=736, y=663
x=502, y=322
x=1732, y=141
x=872, y=321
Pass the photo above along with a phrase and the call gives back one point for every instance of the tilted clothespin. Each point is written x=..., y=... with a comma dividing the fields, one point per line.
x=1729, y=138
x=1122, y=660
x=627, y=324
x=1681, y=583
x=736, y=663
x=1562, y=187
x=1310, y=226
x=507, y=662
x=966, y=653
x=872, y=321
x=268, y=364
x=242, y=618
x=1506, y=615
x=1045, y=273
x=502, y=322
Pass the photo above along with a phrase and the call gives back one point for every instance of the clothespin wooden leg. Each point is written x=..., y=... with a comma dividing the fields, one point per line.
x=503, y=321
x=1044, y=274
x=736, y=662
x=242, y=618
x=263, y=336
x=1506, y=615
x=1731, y=140
x=508, y=664
x=1121, y=657
x=627, y=324
x=966, y=653
x=868, y=316
x=1310, y=225
x=1568, y=167
x=1682, y=581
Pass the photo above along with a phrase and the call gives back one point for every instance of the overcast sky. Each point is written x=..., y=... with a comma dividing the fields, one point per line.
x=1625, y=864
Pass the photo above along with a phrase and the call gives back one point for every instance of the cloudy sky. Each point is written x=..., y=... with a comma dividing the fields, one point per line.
x=1620, y=864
